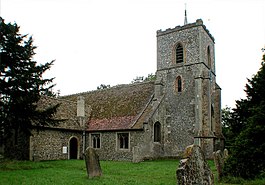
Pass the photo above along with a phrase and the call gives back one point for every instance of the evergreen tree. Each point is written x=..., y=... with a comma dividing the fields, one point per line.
x=226, y=126
x=21, y=84
x=248, y=130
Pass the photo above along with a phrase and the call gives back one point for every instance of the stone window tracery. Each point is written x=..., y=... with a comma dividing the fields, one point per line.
x=95, y=138
x=123, y=140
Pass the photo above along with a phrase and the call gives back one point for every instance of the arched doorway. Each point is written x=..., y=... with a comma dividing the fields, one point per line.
x=73, y=148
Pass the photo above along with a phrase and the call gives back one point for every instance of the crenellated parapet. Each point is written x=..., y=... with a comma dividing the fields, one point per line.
x=198, y=22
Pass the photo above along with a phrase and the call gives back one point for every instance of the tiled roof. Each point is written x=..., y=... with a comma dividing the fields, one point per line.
x=114, y=123
x=66, y=112
x=116, y=108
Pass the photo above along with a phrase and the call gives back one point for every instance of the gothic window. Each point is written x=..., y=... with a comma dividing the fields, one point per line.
x=123, y=140
x=179, y=53
x=209, y=56
x=157, y=132
x=95, y=138
x=178, y=84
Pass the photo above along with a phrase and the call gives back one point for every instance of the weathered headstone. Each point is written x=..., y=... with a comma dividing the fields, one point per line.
x=219, y=160
x=225, y=154
x=136, y=155
x=219, y=163
x=194, y=169
x=92, y=163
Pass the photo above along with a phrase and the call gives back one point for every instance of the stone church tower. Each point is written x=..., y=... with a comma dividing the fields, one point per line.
x=186, y=84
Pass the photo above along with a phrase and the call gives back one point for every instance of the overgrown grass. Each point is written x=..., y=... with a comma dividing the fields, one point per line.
x=74, y=172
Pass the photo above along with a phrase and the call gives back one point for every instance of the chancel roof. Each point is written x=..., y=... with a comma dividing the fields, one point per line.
x=117, y=108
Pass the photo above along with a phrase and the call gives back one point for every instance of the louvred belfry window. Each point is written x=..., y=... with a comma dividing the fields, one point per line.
x=179, y=53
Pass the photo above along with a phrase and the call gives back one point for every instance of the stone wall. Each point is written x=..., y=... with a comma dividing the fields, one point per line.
x=188, y=113
x=109, y=149
x=48, y=144
x=178, y=119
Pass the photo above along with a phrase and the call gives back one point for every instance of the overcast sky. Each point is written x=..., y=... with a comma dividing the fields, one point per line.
x=112, y=41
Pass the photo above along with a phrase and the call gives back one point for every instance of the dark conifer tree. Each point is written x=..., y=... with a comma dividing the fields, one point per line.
x=248, y=130
x=21, y=84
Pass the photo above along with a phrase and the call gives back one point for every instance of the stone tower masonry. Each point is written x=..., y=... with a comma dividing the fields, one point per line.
x=186, y=80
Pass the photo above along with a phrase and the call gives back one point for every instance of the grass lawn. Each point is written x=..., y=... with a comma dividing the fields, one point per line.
x=74, y=172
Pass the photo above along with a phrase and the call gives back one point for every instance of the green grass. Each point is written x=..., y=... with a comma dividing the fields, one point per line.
x=74, y=172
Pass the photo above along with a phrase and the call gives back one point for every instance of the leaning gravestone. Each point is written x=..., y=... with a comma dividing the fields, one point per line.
x=194, y=169
x=92, y=163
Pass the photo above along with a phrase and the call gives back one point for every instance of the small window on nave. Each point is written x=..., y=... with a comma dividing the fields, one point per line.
x=95, y=138
x=123, y=140
x=179, y=53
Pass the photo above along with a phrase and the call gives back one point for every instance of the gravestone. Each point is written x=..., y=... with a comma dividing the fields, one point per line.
x=92, y=163
x=137, y=157
x=225, y=154
x=194, y=169
x=219, y=160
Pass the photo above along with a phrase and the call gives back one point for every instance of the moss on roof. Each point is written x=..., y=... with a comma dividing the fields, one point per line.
x=118, y=101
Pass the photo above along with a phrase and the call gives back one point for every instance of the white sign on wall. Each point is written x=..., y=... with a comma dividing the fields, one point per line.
x=64, y=149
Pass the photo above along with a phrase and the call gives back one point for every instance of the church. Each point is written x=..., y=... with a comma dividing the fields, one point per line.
x=147, y=120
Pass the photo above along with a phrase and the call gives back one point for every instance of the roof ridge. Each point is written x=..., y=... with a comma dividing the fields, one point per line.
x=110, y=88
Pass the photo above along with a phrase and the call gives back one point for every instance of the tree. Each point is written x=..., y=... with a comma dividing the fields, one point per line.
x=150, y=77
x=138, y=79
x=248, y=129
x=103, y=86
x=22, y=84
x=226, y=125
